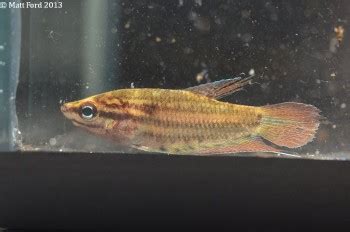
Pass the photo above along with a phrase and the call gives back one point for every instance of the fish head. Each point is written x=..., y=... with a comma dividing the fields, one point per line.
x=104, y=114
x=85, y=113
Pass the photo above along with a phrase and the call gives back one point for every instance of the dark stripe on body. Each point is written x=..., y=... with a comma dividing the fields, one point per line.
x=147, y=120
x=88, y=125
x=199, y=132
x=148, y=105
x=123, y=105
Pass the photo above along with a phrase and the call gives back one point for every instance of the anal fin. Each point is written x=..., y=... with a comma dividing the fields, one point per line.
x=253, y=145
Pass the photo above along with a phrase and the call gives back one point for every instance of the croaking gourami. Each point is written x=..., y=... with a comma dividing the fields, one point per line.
x=193, y=120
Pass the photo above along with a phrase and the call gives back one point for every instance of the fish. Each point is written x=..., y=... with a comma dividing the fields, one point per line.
x=194, y=120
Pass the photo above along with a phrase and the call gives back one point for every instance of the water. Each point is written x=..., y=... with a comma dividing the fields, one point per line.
x=298, y=51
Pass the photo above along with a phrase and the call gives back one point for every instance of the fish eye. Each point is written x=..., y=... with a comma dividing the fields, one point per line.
x=88, y=112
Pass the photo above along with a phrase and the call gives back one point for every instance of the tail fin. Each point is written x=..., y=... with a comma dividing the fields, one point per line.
x=289, y=124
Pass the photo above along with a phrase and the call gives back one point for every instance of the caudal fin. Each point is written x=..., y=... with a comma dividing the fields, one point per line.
x=289, y=124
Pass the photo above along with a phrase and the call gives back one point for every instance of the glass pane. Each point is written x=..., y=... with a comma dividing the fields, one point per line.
x=297, y=52
x=10, y=43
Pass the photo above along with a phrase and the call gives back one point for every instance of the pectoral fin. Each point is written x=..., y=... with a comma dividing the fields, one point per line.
x=222, y=88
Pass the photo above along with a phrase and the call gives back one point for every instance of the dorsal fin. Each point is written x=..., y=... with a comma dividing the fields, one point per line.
x=222, y=88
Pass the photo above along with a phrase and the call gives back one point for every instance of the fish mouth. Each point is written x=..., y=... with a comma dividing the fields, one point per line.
x=64, y=108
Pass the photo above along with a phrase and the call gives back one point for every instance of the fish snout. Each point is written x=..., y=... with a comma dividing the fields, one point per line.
x=64, y=108
x=69, y=110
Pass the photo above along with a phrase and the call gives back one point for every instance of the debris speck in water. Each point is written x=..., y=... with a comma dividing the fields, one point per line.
x=198, y=2
x=247, y=37
x=2, y=47
x=114, y=30
x=1, y=91
x=339, y=33
x=343, y=106
x=188, y=50
x=201, y=23
x=252, y=72
x=333, y=45
x=127, y=25
x=158, y=39
x=3, y=63
x=53, y=141
x=202, y=75
x=334, y=126
x=245, y=13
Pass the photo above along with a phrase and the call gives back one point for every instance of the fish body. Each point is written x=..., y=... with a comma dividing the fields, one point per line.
x=193, y=121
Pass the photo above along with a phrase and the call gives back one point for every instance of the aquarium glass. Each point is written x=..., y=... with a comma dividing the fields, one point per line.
x=62, y=51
